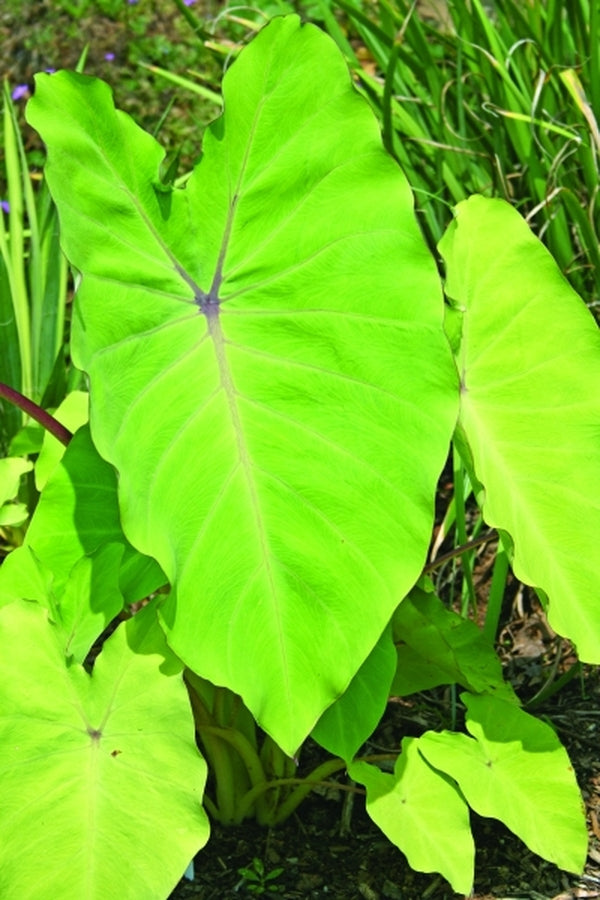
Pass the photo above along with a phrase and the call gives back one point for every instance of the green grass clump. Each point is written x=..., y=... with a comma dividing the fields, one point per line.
x=501, y=99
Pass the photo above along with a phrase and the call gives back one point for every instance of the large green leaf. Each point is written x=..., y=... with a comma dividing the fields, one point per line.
x=421, y=812
x=100, y=778
x=267, y=366
x=515, y=769
x=529, y=363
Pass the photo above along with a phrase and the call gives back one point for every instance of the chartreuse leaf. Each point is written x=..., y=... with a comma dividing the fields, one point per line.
x=94, y=767
x=348, y=722
x=73, y=412
x=11, y=470
x=515, y=769
x=422, y=813
x=437, y=646
x=24, y=577
x=13, y=514
x=90, y=601
x=529, y=363
x=80, y=608
x=77, y=514
x=267, y=366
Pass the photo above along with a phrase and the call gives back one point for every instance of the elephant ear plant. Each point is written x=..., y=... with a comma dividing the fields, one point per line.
x=274, y=381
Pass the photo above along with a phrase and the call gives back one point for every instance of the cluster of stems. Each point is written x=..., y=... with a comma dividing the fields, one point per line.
x=249, y=781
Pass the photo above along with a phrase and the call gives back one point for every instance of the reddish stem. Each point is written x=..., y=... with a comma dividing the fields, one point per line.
x=36, y=412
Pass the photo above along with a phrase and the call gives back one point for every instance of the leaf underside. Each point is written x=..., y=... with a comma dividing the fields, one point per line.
x=267, y=366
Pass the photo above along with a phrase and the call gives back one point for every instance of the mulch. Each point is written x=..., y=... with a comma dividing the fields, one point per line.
x=327, y=851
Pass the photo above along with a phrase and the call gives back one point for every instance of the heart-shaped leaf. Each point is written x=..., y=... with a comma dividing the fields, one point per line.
x=515, y=769
x=422, y=813
x=267, y=366
x=95, y=769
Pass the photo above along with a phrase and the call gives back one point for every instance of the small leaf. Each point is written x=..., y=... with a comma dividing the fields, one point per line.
x=422, y=813
x=274, y=873
x=90, y=601
x=13, y=514
x=11, y=470
x=77, y=514
x=515, y=769
x=248, y=874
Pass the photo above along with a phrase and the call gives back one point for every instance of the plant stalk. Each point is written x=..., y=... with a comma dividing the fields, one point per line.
x=36, y=412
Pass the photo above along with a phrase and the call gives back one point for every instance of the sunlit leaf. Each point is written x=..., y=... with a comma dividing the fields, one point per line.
x=77, y=514
x=267, y=366
x=90, y=601
x=94, y=767
x=422, y=813
x=515, y=769
x=529, y=364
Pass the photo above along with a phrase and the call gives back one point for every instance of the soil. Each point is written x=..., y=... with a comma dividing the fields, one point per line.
x=331, y=849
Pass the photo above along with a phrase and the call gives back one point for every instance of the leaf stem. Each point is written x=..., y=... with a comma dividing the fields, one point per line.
x=36, y=412
x=552, y=685
x=220, y=759
x=316, y=778
x=458, y=551
x=303, y=789
x=253, y=766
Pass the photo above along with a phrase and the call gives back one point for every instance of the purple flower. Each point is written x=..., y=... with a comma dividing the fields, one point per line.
x=132, y=2
x=21, y=90
x=50, y=71
x=189, y=2
x=109, y=57
x=5, y=206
